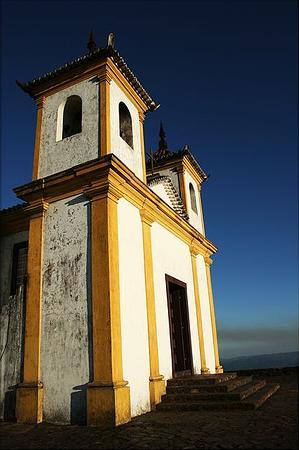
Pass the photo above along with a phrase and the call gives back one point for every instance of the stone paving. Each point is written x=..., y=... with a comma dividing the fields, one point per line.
x=273, y=426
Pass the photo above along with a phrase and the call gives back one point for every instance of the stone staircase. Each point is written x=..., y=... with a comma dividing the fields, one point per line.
x=220, y=391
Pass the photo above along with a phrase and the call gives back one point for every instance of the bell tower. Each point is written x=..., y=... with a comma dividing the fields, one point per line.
x=186, y=176
x=88, y=108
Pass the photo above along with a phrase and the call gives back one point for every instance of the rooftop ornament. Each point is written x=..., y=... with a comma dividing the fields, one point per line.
x=95, y=53
x=162, y=151
x=110, y=40
x=91, y=44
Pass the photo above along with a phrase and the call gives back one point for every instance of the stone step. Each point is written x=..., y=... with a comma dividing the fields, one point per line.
x=252, y=402
x=202, y=379
x=237, y=394
x=257, y=399
x=227, y=386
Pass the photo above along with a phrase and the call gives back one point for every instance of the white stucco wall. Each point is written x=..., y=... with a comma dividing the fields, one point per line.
x=131, y=157
x=11, y=327
x=172, y=173
x=133, y=307
x=65, y=349
x=60, y=155
x=172, y=257
x=159, y=189
x=194, y=219
x=205, y=313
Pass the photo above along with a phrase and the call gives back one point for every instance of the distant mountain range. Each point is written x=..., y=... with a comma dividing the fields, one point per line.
x=273, y=360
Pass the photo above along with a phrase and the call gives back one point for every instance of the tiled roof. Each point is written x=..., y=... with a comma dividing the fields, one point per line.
x=12, y=209
x=159, y=158
x=86, y=60
x=175, y=199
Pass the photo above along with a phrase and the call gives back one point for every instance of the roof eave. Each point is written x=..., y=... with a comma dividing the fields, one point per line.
x=38, y=85
x=177, y=158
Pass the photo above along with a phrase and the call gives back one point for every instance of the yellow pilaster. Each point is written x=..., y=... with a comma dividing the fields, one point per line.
x=156, y=382
x=141, y=121
x=182, y=186
x=108, y=396
x=201, y=210
x=105, y=135
x=204, y=369
x=30, y=393
x=208, y=262
x=38, y=136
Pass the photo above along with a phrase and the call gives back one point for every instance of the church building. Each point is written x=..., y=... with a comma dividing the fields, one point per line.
x=105, y=284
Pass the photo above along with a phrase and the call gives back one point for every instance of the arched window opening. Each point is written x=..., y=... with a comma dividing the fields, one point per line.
x=125, y=124
x=72, y=116
x=193, y=198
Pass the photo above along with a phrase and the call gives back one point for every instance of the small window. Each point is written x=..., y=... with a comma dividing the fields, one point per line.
x=125, y=124
x=72, y=116
x=193, y=198
x=19, y=266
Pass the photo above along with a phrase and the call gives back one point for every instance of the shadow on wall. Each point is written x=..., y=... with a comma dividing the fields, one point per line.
x=78, y=404
x=9, y=413
x=12, y=355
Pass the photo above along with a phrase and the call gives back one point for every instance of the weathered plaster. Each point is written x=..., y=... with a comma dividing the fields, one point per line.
x=173, y=175
x=131, y=157
x=159, y=189
x=65, y=352
x=63, y=154
x=11, y=326
x=133, y=307
x=172, y=257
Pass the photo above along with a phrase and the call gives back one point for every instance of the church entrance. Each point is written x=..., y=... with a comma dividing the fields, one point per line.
x=179, y=327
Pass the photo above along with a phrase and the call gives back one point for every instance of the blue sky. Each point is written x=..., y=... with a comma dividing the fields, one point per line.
x=225, y=74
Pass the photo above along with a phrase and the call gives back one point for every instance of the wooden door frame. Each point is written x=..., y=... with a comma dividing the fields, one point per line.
x=170, y=279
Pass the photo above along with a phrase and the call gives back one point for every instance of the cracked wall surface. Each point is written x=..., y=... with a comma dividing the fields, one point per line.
x=12, y=315
x=56, y=156
x=66, y=332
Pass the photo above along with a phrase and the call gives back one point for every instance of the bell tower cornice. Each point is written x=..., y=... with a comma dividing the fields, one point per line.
x=99, y=61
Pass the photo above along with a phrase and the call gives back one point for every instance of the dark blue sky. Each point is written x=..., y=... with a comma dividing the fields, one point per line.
x=225, y=74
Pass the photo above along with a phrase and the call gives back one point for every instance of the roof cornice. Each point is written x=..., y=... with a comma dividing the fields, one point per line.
x=109, y=170
x=38, y=85
x=181, y=157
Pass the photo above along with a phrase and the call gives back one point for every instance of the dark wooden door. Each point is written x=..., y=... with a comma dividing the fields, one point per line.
x=179, y=327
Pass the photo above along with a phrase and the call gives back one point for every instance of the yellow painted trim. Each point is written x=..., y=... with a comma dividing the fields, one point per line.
x=141, y=121
x=182, y=185
x=108, y=399
x=108, y=405
x=29, y=403
x=38, y=136
x=104, y=67
x=218, y=367
x=181, y=164
x=203, y=364
x=110, y=169
x=156, y=382
x=201, y=209
x=123, y=83
x=190, y=169
x=70, y=80
x=105, y=133
x=30, y=393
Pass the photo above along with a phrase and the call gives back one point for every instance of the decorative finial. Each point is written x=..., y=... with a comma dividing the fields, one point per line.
x=110, y=40
x=162, y=140
x=91, y=45
x=186, y=148
x=162, y=152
